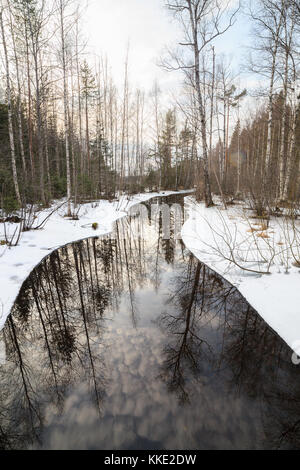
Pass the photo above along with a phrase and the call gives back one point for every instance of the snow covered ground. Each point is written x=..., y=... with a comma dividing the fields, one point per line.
x=16, y=263
x=242, y=249
x=239, y=248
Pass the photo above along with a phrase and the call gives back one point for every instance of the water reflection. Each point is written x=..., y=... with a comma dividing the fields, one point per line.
x=131, y=343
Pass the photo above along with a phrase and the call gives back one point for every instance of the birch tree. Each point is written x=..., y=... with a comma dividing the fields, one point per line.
x=269, y=20
x=202, y=22
x=36, y=18
x=62, y=4
x=17, y=67
x=289, y=88
x=9, y=107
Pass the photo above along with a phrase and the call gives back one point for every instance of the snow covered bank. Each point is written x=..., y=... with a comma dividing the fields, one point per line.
x=240, y=249
x=16, y=263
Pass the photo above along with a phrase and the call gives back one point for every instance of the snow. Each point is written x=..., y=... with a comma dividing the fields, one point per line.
x=211, y=235
x=215, y=234
x=16, y=263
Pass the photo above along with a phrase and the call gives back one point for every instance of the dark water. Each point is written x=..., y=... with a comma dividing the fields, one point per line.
x=132, y=343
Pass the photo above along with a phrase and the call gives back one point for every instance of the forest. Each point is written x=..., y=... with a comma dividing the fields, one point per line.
x=67, y=130
x=149, y=225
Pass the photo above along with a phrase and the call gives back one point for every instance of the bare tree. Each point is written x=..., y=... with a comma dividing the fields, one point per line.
x=20, y=123
x=202, y=22
x=9, y=107
x=62, y=5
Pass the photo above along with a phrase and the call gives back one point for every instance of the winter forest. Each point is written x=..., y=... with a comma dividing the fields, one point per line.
x=67, y=130
x=149, y=225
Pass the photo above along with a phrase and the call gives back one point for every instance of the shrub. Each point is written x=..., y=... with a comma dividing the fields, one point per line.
x=59, y=185
x=10, y=204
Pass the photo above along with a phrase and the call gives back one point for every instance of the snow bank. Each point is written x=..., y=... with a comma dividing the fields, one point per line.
x=207, y=233
x=16, y=263
x=218, y=237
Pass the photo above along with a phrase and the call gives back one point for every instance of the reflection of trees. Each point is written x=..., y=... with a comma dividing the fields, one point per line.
x=56, y=334
x=56, y=328
x=211, y=329
x=261, y=367
x=169, y=249
x=52, y=340
x=185, y=351
x=21, y=399
x=96, y=382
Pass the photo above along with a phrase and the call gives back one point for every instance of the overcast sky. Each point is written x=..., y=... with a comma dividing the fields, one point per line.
x=149, y=27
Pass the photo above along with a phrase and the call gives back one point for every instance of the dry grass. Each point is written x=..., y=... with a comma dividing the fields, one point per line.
x=263, y=235
x=260, y=228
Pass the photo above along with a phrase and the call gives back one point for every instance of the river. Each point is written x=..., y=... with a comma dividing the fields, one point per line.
x=130, y=342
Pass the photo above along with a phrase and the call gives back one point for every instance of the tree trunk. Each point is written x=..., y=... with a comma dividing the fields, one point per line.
x=295, y=153
x=201, y=109
x=10, y=116
x=20, y=125
x=66, y=105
